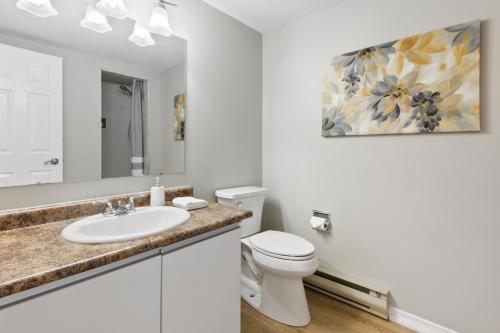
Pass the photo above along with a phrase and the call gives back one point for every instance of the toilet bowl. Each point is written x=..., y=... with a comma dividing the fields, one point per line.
x=273, y=263
x=279, y=281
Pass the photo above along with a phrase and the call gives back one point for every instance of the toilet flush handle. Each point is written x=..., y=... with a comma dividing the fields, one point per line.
x=239, y=204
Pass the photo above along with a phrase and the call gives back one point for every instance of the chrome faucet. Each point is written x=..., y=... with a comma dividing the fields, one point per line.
x=121, y=209
x=109, y=211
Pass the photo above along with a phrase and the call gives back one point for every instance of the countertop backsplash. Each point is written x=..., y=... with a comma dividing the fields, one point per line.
x=25, y=217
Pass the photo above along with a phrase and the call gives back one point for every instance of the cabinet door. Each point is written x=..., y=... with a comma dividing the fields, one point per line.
x=126, y=300
x=201, y=287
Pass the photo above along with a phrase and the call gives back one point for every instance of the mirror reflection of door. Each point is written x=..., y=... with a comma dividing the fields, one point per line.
x=31, y=132
x=123, y=124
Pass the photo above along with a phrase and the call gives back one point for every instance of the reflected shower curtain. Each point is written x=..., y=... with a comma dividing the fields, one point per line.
x=136, y=129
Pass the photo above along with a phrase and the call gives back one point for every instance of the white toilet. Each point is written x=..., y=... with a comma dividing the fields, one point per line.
x=273, y=263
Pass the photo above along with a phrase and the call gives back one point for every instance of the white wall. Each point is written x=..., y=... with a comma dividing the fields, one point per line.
x=224, y=131
x=172, y=83
x=418, y=214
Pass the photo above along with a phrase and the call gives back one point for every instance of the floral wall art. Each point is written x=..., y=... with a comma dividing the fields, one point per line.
x=420, y=84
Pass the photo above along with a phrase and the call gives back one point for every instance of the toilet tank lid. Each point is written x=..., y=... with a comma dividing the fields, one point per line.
x=240, y=192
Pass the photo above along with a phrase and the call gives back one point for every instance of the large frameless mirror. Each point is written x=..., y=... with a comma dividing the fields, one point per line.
x=77, y=105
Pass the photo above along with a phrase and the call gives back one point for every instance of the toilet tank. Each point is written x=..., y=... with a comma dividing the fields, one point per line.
x=247, y=197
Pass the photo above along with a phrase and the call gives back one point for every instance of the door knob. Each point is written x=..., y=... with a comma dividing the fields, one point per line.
x=53, y=161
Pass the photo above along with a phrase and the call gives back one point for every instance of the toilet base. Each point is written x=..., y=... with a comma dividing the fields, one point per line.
x=280, y=298
x=250, y=292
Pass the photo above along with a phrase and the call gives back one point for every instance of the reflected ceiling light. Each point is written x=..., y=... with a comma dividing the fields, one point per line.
x=158, y=23
x=141, y=36
x=113, y=8
x=41, y=8
x=95, y=20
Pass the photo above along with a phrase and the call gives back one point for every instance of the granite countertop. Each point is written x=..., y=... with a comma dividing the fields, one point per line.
x=36, y=255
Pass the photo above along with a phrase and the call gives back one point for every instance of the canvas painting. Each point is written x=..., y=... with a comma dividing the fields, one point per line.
x=427, y=83
x=180, y=116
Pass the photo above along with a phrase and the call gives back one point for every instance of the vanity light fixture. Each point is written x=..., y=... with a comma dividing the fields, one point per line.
x=159, y=23
x=141, y=36
x=113, y=8
x=41, y=8
x=95, y=20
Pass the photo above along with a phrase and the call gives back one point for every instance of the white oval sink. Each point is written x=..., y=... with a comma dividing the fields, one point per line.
x=145, y=221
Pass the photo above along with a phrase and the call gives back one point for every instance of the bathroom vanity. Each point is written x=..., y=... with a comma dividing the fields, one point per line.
x=124, y=112
x=185, y=280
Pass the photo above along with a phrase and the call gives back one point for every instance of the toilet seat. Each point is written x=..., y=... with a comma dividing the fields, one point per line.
x=282, y=245
x=277, y=256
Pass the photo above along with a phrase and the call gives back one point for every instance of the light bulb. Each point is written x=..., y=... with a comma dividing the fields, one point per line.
x=113, y=8
x=141, y=36
x=41, y=8
x=95, y=20
x=158, y=23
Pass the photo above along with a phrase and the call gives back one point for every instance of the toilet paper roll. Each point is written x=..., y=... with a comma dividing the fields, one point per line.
x=317, y=223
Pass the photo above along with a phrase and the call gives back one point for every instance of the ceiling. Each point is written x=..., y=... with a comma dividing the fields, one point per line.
x=266, y=15
x=65, y=30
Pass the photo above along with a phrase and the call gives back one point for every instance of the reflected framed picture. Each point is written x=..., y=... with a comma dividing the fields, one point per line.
x=180, y=116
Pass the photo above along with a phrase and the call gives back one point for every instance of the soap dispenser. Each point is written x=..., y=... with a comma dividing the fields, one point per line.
x=157, y=194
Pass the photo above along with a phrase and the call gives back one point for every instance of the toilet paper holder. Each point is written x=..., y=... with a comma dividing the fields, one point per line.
x=327, y=216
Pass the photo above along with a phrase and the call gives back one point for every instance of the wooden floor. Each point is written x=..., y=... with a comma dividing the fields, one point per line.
x=328, y=316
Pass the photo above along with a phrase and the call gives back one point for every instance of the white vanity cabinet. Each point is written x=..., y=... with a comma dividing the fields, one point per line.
x=126, y=300
x=201, y=286
x=189, y=287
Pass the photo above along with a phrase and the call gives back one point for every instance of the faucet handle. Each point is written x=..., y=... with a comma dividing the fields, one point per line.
x=109, y=206
x=131, y=199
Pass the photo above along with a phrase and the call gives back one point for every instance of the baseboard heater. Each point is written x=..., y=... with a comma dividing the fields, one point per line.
x=359, y=294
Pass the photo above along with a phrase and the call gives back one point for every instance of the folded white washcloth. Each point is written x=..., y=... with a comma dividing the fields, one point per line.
x=189, y=203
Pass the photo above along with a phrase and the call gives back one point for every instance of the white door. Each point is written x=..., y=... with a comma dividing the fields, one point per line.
x=31, y=132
